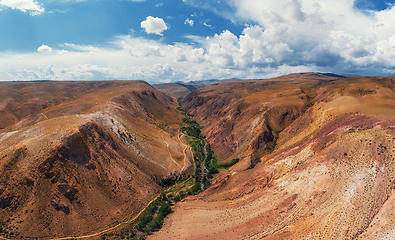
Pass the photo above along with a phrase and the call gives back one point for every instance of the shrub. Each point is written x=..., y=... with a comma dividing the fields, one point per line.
x=189, y=121
x=192, y=131
x=163, y=197
x=152, y=208
x=177, y=198
x=142, y=236
x=143, y=221
x=155, y=224
x=206, y=182
x=227, y=165
x=147, y=230
x=196, y=187
x=166, y=182
x=212, y=170
x=164, y=210
x=182, y=194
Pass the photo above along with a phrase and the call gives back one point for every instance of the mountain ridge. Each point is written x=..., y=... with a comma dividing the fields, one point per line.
x=100, y=140
x=328, y=175
x=314, y=157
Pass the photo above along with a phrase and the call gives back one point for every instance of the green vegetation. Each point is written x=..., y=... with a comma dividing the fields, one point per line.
x=203, y=155
x=193, y=130
x=151, y=221
x=184, y=112
x=205, y=182
x=210, y=152
x=206, y=166
x=177, y=198
x=227, y=165
x=189, y=121
x=167, y=182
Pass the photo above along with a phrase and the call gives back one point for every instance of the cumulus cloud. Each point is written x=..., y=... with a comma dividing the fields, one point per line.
x=327, y=33
x=128, y=57
x=304, y=35
x=44, y=49
x=31, y=6
x=154, y=25
x=189, y=21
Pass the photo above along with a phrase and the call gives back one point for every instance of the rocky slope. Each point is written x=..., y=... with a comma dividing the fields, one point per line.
x=78, y=157
x=243, y=118
x=324, y=153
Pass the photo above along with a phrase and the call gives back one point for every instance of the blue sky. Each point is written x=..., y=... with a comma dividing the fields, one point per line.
x=183, y=40
x=98, y=22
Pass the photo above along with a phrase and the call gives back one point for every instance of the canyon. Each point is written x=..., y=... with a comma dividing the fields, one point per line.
x=316, y=157
x=316, y=160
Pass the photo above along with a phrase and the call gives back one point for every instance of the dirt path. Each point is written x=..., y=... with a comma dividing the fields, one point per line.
x=184, y=151
x=44, y=115
x=168, y=150
x=142, y=210
x=138, y=215
x=108, y=229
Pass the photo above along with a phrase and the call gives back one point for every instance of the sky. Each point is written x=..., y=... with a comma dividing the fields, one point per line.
x=184, y=40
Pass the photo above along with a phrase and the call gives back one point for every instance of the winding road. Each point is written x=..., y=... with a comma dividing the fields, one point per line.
x=142, y=210
x=111, y=228
x=184, y=151
x=168, y=150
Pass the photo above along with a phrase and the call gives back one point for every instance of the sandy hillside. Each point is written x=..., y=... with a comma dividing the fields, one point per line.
x=321, y=157
x=79, y=157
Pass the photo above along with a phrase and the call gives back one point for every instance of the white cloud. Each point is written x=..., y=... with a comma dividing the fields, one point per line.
x=31, y=6
x=154, y=25
x=189, y=21
x=136, y=58
x=325, y=33
x=306, y=35
x=44, y=49
x=329, y=35
x=208, y=25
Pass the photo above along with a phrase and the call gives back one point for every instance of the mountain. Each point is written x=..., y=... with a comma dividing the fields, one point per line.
x=181, y=89
x=316, y=160
x=175, y=90
x=79, y=157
